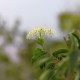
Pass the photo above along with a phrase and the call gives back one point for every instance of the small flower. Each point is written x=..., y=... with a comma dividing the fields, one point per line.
x=39, y=32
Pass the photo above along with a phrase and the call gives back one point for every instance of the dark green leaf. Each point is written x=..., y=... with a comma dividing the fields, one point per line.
x=77, y=39
x=74, y=42
x=56, y=53
x=50, y=66
x=42, y=62
x=42, y=65
x=73, y=59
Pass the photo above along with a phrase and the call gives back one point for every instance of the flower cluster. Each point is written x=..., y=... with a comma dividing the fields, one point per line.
x=39, y=32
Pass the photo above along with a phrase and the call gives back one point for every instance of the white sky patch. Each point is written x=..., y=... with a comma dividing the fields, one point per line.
x=18, y=41
x=36, y=12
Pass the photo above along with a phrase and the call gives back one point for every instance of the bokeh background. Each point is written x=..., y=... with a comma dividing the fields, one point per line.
x=17, y=18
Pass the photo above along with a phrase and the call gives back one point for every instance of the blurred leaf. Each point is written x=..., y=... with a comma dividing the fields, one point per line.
x=4, y=58
x=46, y=75
x=77, y=77
x=74, y=42
x=61, y=66
x=56, y=53
x=73, y=59
x=69, y=21
x=77, y=39
x=40, y=41
x=2, y=29
x=43, y=61
x=50, y=66
x=37, y=53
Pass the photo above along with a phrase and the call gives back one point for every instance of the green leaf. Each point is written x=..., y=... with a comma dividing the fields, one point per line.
x=56, y=53
x=46, y=75
x=75, y=36
x=43, y=61
x=77, y=77
x=60, y=68
x=77, y=39
x=4, y=58
x=40, y=41
x=50, y=65
x=73, y=59
x=42, y=65
x=69, y=21
x=37, y=53
x=74, y=42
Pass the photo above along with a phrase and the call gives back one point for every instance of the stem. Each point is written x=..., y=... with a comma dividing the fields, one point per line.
x=66, y=43
x=64, y=77
x=46, y=51
x=57, y=59
x=50, y=54
x=71, y=78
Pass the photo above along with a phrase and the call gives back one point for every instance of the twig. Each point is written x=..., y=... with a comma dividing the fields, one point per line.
x=64, y=77
x=50, y=54
x=66, y=43
x=57, y=59
x=72, y=74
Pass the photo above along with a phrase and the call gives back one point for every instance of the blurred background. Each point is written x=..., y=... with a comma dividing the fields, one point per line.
x=17, y=18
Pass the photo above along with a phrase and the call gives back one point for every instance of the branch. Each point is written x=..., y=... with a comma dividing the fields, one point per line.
x=66, y=43
x=50, y=54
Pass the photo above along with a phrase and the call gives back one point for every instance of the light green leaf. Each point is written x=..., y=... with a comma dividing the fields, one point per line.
x=40, y=41
x=69, y=22
x=46, y=75
x=37, y=53
x=73, y=59
x=61, y=66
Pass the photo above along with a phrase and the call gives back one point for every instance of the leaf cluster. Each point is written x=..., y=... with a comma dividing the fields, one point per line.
x=62, y=64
